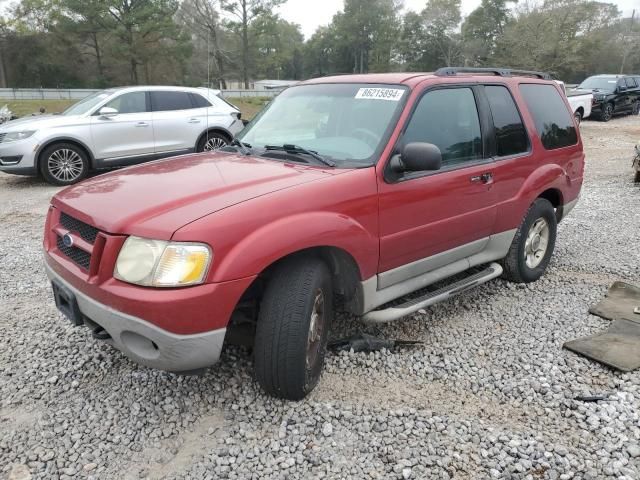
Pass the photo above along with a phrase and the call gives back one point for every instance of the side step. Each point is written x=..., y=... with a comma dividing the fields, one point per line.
x=398, y=311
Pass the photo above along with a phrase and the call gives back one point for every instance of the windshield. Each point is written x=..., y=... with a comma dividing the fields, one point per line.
x=87, y=103
x=342, y=122
x=600, y=83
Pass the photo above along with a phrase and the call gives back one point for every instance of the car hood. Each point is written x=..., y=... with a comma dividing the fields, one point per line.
x=156, y=199
x=38, y=122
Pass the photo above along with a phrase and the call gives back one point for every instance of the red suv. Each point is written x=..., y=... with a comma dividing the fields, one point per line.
x=360, y=188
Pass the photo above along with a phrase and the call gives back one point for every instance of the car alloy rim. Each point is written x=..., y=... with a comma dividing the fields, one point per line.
x=214, y=143
x=316, y=325
x=607, y=111
x=65, y=165
x=535, y=247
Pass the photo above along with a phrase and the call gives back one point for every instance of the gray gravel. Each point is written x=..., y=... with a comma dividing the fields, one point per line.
x=488, y=395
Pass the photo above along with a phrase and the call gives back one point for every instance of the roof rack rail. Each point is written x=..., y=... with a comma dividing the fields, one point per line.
x=502, y=72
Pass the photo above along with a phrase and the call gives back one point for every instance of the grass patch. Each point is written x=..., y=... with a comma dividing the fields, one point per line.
x=20, y=108
x=249, y=106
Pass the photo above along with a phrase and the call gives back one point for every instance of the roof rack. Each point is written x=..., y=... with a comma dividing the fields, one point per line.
x=502, y=72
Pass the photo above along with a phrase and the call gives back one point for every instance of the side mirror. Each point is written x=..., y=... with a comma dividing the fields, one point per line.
x=417, y=157
x=108, y=112
x=622, y=89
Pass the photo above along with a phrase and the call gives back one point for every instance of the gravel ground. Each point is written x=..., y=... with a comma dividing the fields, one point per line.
x=488, y=395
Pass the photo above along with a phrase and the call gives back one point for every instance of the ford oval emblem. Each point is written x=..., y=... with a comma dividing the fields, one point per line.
x=67, y=240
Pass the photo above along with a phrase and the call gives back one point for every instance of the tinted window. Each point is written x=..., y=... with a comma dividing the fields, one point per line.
x=199, y=101
x=553, y=121
x=448, y=118
x=163, y=101
x=511, y=136
x=631, y=83
x=133, y=102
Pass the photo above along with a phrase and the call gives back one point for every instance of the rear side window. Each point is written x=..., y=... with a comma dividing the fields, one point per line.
x=164, y=101
x=448, y=118
x=511, y=136
x=553, y=121
x=199, y=101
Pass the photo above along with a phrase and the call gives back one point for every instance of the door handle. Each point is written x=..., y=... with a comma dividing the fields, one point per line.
x=194, y=120
x=485, y=178
x=142, y=124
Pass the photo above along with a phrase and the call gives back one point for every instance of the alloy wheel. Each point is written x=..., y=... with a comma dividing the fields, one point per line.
x=214, y=143
x=65, y=165
x=535, y=246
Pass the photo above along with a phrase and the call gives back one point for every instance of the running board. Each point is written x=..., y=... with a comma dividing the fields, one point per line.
x=398, y=311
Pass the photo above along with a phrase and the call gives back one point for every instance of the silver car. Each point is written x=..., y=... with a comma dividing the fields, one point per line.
x=117, y=127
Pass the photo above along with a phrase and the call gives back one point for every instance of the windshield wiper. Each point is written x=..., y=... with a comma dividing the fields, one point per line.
x=245, y=148
x=298, y=149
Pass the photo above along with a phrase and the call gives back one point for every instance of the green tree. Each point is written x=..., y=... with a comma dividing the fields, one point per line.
x=205, y=21
x=146, y=33
x=482, y=28
x=244, y=13
x=278, y=45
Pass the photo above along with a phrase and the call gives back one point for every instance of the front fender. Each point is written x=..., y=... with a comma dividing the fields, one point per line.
x=291, y=234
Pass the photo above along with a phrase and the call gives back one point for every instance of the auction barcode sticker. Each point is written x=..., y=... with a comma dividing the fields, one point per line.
x=392, y=94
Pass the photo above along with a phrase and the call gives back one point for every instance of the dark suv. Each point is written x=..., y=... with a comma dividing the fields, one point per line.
x=613, y=94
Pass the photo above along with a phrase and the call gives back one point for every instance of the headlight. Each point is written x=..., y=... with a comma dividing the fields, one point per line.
x=14, y=136
x=155, y=263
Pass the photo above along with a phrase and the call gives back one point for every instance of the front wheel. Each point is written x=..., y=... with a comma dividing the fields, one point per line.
x=607, y=112
x=635, y=110
x=63, y=164
x=532, y=245
x=293, y=327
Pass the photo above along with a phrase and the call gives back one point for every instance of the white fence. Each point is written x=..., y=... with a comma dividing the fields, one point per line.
x=78, y=93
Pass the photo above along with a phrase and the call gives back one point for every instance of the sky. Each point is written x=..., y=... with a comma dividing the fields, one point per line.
x=310, y=14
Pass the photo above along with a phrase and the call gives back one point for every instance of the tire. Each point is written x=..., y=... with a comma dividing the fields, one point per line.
x=578, y=117
x=63, y=164
x=607, y=112
x=635, y=110
x=522, y=265
x=212, y=141
x=288, y=357
x=636, y=177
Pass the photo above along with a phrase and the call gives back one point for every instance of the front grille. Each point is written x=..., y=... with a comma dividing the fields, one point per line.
x=87, y=232
x=78, y=256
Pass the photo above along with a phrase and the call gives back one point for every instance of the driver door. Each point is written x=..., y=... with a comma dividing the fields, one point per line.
x=432, y=219
x=128, y=133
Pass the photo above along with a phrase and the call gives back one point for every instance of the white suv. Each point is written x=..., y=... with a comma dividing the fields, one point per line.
x=117, y=127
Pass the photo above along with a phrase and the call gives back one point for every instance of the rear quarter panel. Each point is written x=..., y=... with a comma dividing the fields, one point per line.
x=519, y=181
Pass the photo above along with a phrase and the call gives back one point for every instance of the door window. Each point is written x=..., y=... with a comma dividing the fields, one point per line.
x=134, y=102
x=448, y=118
x=552, y=118
x=631, y=83
x=166, y=101
x=511, y=136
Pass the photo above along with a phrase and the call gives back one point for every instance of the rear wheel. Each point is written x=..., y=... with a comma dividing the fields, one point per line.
x=63, y=164
x=532, y=245
x=293, y=327
x=211, y=142
x=607, y=112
